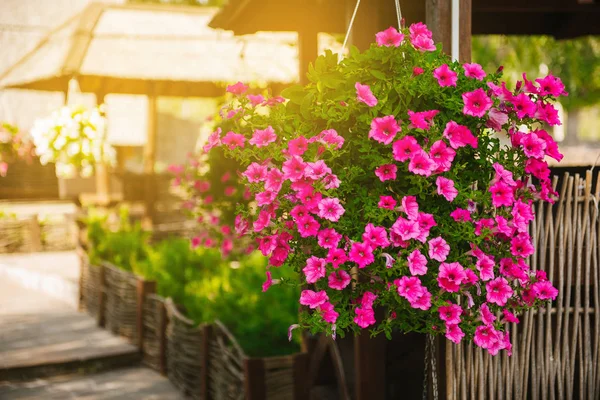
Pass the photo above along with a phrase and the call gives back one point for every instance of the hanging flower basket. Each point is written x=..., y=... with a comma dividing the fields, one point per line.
x=13, y=146
x=75, y=139
x=398, y=179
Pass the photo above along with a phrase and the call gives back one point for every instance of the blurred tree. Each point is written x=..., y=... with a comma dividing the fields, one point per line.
x=575, y=61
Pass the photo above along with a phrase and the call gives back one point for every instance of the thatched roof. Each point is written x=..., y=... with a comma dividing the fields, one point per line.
x=142, y=49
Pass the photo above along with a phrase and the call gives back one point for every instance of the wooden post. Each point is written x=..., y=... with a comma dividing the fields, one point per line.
x=101, y=295
x=207, y=337
x=144, y=288
x=369, y=365
x=439, y=21
x=150, y=159
x=35, y=232
x=254, y=379
x=101, y=169
x=162, y=338
x=308, y=50
x=300, y=368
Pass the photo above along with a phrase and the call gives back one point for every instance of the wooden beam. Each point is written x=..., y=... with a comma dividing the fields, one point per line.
x=150, y=147
x=465, y=30
x=308, y=50
x=369, y=364
x=438, y=19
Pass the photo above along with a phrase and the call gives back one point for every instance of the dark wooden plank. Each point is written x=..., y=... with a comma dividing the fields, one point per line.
x=254, y=379
x=300, y=371
x=369, y=356
x=144, y=288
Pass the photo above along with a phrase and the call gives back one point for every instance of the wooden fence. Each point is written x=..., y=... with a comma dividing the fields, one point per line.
x=33, y=234
x=202, y=361
x=556, y=350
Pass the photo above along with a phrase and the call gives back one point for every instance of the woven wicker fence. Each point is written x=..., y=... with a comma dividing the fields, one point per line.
x=29, y=234
x=154, y=333
x=121, y=312
x=185, y=360
x=225, y=364
x=90, y=286
x=556, y=351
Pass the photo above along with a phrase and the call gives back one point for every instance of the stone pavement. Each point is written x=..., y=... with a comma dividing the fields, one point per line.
x=45, y=344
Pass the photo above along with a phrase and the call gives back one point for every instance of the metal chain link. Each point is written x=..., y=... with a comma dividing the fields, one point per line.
x=430, y=359
x=398, y=14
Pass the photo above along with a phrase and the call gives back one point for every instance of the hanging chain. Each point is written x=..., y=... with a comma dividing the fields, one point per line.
x=398, y=14
x=430, y=359
x=426, y=372
x=349, y=29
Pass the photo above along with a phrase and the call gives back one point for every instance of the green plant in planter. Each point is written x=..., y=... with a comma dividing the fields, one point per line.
x=125, y=246
x=384, y=183
x=233, y=295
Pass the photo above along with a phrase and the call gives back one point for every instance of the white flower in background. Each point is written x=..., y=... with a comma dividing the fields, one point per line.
x=75, y=139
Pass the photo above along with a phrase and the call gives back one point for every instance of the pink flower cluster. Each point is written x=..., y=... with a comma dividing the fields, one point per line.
x=399, y=206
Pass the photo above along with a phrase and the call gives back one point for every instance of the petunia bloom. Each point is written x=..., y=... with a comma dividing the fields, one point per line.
x=330, y=209
x=313, y=299
x=339, y=279
x=262, y=137
x=474, y=70
x=386, y=172
x=438, y=249
x=389, y=37
x=361, y=253
x=314, y=269
x=364, y=94
x=417, y=263
x=384, y=129
x=238, y=88
x=445, y=76
x=476, y=103
x=386, y=202
x=445, y=187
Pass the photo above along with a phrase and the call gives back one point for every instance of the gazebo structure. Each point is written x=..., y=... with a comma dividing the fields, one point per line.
x=452, y=23
x=152, y=50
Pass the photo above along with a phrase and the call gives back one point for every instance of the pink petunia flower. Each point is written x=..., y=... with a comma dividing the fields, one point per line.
x=384, y=129
x=445, y=76
x=509, y=316
x=213, y=140
x=497, y=119
x=361, y=253
x=451, y=276
x=418, y=71
x=386, y=202
x=474, y=70
x=293, y=169
x=255, y=99
x=264, y=218
x=442, y=155
x=297, y=147
x=267, y=284
x=459, y=135
x=421, y=164
x=336, y=257
x=238, y=88
x=314, y=269
x=476, y=103
x=405, y=229
x=423, y=119
x=328, y=312
x=331, y=181
x=255, y=173
x=551, y=85
x=339, y=279
x=438, y=249
x=487, y=317
x=365, y=317
x=502, y=194
x=544, y=290
x=313, y=299
x=265, y=198
x=409, y=287
x=364, y=94
x=498, y=291
x=389, y=37
x=233, y=140
x=405, y=148
x=316, y=170
x=262, y=137
x=331, y=209
x=524, y=106
x=328, y=238
x=533, y=146
x=410, y=207
x=421, y=37
x=450, y=314
x=423, y=300
x=308, y=226
x=375, y=236
x=454, y=333
x=332, y=138
x=445, y=187
x=386, y=172
x=461, y=215
x=274, y=180
x=417, y=263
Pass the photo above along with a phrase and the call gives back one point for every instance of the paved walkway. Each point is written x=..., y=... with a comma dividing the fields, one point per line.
x=43, y=335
